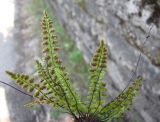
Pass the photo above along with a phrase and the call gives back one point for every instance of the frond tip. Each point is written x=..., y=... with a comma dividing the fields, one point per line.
x=97, y=71
x=54, y=87
x=118, y=106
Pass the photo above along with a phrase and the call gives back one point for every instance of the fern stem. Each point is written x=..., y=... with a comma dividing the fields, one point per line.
x=95, y=112
x=16, y=89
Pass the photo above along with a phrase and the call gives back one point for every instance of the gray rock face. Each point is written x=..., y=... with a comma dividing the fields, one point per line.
x=17, y=53
x=118, y=23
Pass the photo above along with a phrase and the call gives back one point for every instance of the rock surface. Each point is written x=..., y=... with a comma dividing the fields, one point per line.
x=17, y=52
x=118, y=23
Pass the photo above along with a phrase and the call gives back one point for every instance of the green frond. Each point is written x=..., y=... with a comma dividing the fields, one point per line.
x=37, y=90
x=51, y=83
x=54, y=64
x=97, y=71
x=33, y=104
x=23, y=81
x=122, y=103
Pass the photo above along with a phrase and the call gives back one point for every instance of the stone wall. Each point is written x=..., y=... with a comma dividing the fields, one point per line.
x=18, y=52
x=124, y=31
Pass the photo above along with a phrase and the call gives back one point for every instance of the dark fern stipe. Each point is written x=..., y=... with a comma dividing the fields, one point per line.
x=54, y=86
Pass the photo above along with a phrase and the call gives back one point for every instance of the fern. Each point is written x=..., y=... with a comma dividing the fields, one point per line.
x=55, y=88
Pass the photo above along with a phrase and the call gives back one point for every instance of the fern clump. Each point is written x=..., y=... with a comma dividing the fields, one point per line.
x=55, y=87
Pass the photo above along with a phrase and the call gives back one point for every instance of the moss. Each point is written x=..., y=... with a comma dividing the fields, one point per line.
x=81, y=4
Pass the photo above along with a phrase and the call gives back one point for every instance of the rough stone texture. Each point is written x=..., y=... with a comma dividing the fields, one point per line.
x=18, y=51
x=118, y=23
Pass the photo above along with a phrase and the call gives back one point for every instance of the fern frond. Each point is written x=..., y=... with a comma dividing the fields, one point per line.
x=54, y=64
x=34, y=103
x=118, y=106
x=23, y=81
x=97, y=87
x=49, y=81
x=37, y=90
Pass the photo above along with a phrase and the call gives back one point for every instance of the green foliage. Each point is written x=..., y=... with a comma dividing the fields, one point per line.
x=76, y=56
x=55, y=88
